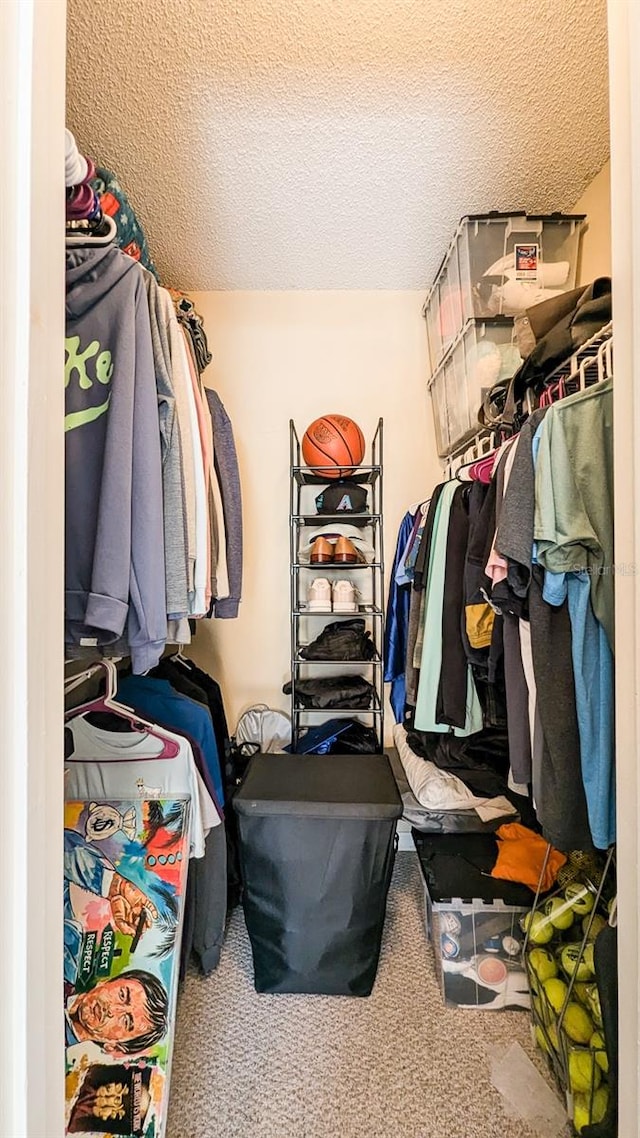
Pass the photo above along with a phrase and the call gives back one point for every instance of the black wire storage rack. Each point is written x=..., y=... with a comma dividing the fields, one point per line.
x=367, y=578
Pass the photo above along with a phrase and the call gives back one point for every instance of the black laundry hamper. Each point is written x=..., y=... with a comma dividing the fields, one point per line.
x=317, y=843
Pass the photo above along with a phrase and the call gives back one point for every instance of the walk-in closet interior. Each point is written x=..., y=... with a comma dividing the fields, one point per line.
x=342, y=807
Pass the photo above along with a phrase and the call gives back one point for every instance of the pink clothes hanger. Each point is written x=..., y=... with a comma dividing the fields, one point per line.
x=108, y=702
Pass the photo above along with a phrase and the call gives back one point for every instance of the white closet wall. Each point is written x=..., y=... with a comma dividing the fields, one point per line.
x=282, y=355
x=595, y=254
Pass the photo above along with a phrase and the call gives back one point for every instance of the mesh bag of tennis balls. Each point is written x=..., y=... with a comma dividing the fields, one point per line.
x=565, y=1001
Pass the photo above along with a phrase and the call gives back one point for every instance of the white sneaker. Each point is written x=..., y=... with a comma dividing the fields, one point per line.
x=344, y=597
x=319, y=595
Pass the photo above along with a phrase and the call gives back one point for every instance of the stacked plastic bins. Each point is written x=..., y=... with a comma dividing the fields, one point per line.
x=317, y=843
x=570, y=961
x=496, y=267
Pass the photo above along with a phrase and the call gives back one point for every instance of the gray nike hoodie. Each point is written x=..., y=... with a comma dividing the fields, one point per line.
x=114, y=574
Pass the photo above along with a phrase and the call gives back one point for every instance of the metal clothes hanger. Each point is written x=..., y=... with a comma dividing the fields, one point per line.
x=108, y=702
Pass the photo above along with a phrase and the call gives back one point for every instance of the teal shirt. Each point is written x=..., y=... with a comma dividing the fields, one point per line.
x=574, y=494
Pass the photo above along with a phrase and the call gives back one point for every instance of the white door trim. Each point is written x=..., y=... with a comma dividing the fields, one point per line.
x=624, y=43
x=32, y=64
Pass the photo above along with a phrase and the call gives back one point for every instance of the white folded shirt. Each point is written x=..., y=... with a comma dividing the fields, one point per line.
x=441, y=791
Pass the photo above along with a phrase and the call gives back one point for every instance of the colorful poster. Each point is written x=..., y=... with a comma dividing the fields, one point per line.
x=124, y=886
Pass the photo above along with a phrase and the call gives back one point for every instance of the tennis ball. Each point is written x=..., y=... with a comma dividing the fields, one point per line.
x=547, y=1039
x=578, y=1023
x=588, y=956
x=559, y=913
x=580, y=898
x=540, y=929
x=580, y=992
x=584, y=1072
x=541, y=1040
x=543, y=964
x=556, y=993
x=593, y=1003
x=574, y=963
x=583, y=1115
x=597, y=1044
x=599, y=923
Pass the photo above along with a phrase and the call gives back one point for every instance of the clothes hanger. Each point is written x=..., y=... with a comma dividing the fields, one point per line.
x=483, y=450
x=415, y=506
x=180, y=658
x=109, y=703
x=74, y=682
x=104, y=234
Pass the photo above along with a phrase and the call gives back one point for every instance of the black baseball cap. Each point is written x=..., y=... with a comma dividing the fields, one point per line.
x=343, y=497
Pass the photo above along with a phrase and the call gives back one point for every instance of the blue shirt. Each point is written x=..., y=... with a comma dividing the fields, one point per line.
x=397, y=625
x=157, y=700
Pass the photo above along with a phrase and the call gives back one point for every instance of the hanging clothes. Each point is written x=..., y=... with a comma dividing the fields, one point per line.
x=558, y=789
x=397, y=625
x=114, y=549
x=228, y=478
x=428, y=685
x=574, y=494
x=175, y=537
x=181, y=384
x=185, y=677
x=206, y=902
x=451, y=701
x=156, y=700
x=194, y=328
x=520, y=699
x=114, y=764
x=576, y=526
x=416, y=604
x=114, y=202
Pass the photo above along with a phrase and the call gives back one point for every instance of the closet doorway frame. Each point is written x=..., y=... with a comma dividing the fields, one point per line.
x=624, y=124
x=32, y=210
x=33, y=65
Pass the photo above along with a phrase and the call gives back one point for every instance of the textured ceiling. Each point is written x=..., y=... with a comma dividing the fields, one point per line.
x=274, y=144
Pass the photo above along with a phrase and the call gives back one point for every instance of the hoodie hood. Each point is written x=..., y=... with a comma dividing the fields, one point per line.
x=91, y=274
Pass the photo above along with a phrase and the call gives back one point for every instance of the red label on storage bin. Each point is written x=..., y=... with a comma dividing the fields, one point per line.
x=526, y=258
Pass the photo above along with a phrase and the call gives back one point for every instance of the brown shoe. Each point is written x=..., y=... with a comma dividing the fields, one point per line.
x=345, y=551
x=321, y=552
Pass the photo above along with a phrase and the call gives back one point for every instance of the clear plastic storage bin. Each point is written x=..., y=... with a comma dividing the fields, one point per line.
x=483, y=353
x=499, y=265
x=477, y=948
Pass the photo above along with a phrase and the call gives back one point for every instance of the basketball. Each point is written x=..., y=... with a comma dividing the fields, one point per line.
x=333, y=441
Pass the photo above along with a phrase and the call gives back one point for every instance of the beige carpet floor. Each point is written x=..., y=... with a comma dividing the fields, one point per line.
x=396, y=1065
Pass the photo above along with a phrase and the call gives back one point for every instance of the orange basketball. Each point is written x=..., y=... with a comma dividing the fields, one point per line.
x=335, y=442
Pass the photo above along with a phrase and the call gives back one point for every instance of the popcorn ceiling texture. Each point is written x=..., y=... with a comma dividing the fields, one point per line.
x=327, y=144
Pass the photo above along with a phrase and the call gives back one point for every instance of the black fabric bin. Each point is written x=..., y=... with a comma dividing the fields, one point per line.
x=317, y=840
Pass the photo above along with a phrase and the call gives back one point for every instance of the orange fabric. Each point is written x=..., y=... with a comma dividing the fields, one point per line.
x=521, y=855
